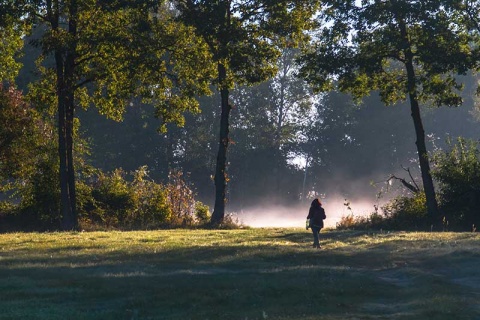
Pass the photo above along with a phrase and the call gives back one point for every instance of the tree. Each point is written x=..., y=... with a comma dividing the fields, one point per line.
x=244, y=39
x=471, y=14
x=104, y=54
x=387, y=46
x=19, y=129
x=28, y=166
x=11, y=32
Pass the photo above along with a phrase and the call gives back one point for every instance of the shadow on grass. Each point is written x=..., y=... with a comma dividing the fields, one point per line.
x=269, y=280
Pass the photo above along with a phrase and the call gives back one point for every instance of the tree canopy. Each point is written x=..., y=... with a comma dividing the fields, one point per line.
x=244, y=38
x=90, y=56
x=137, y=59
x=387, y=46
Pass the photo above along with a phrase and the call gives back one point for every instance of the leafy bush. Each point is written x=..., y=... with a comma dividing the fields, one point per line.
x=202, y=213
x=180, y=197
x=406, y=213
x=112, y=201
x=457, y=171
x=401, y=213
x=152, y=209
x=106, y=201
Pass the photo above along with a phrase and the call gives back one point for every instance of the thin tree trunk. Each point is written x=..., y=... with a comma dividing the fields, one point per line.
x=70, y=221
x=305, y=179
x=65, y=208
x=62, y=142
x=70, y=108
x=220, y=169
x=431, y=201
x=65, y=64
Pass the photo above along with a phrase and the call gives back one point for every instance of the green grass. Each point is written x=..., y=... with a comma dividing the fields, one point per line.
x=239, y=274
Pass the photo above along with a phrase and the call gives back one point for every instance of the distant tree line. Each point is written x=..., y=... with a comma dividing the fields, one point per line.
x=220, y=101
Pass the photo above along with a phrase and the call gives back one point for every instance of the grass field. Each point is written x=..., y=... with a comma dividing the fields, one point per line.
x=239, y=274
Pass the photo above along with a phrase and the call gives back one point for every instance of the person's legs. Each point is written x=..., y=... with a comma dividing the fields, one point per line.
x=316, y=243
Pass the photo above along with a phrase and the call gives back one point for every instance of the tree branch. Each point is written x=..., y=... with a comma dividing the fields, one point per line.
x=412, y=187
x=411, y=177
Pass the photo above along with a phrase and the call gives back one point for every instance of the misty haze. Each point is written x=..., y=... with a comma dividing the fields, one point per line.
x=265, y=188
x=233, y=159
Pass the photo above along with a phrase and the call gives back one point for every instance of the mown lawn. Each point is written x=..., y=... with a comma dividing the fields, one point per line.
x=239, y=274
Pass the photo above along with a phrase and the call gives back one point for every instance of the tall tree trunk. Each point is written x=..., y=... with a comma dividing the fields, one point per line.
x=70, y=221
x=53, y=15
x=62, y=142
x=220, y=169
x=70, y=111
x=432, y=205
x=282, y=110
x=65, y=65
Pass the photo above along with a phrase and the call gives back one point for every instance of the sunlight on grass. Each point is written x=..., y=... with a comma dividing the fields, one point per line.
x=239, y=274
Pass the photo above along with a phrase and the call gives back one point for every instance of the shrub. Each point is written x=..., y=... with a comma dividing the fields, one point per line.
x=202, y=213
x=406, y=213
x=230, y=221
x=152, y=209
x=180, y=197
x=347, y=222
x=457, y=171
x=113, y=198
x=372, y=221
x=114, y=202
x=401, y=213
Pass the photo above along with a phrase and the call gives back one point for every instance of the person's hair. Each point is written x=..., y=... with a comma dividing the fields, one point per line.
x=316, y=203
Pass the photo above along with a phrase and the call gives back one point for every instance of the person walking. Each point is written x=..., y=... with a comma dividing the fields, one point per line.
x=315, y=218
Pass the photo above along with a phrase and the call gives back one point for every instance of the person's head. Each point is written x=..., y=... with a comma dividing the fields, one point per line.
x=316, y=203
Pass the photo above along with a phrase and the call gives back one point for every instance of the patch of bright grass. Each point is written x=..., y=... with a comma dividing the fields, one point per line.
x=239, y=274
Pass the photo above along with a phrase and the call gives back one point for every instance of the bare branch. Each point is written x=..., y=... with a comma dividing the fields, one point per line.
x=412, y=187
x=411, y=177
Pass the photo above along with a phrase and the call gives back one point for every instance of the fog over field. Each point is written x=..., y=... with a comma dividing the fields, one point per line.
x=295, y=216
x=353, y=147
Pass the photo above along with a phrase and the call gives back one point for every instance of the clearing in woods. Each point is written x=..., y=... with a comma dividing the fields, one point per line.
x=239, y=274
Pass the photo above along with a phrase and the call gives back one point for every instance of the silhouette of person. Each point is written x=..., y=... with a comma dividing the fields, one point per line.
x=315, y=218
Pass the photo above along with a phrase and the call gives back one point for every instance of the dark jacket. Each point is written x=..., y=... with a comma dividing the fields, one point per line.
x=316, y=214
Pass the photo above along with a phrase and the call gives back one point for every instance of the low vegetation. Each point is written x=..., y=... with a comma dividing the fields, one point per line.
x=239, y=274
x=457, y=170
x=111, y=201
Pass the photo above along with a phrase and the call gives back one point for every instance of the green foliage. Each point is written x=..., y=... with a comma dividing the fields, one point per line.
x=11, y=44
x=105, y=56
x=387, y=46
x=202, y=213
x=114, y=201
x=407, y=213
x=401, y=213
x=374, y=57
x=243, y=38
x=28, y=169
x=458, y=172
x=113, y=196
x=168, y=71
x=41, y=197
x=19, y=133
